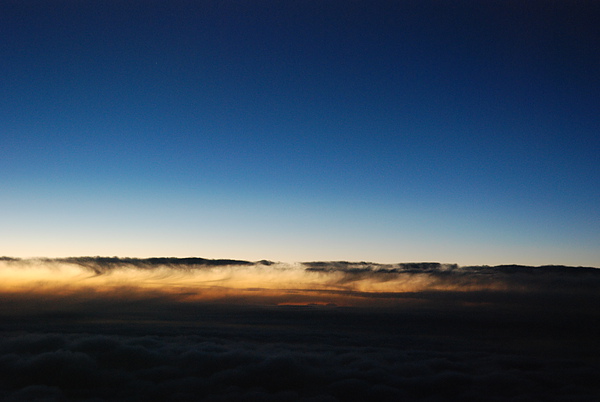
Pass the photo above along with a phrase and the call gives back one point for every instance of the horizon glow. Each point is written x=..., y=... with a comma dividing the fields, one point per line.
x=386, y=131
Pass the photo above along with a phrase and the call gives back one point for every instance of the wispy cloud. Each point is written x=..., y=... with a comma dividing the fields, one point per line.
x=265, y=282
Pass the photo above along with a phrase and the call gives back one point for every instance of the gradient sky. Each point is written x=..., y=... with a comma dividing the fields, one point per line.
x=464, y=132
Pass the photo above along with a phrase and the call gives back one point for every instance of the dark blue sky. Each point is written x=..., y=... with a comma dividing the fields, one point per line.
x=462, y=131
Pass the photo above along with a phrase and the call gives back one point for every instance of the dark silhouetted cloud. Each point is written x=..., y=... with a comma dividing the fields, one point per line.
x=351, y=358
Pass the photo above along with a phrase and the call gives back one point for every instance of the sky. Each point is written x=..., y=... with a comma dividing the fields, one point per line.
x=462, y=132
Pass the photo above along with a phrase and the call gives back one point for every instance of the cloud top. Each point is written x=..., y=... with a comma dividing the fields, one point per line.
x=110, y=328
x=319, y=283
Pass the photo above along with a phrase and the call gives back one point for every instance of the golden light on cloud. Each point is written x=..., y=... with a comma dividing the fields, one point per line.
x=316, y=284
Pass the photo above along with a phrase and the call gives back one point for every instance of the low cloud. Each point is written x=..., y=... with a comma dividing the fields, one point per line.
x=269, y=363
x=325, y=283
x=98, y=328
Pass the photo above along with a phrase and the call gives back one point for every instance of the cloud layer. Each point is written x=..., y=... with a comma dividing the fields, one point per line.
x=267, y=366
x=267, y=283
x=97, y=328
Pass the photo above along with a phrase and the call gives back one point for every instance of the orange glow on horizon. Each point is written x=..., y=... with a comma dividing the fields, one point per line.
x=278, y=284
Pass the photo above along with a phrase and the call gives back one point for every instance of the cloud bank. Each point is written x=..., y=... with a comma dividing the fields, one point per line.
x=100, y=328
x=325, y=283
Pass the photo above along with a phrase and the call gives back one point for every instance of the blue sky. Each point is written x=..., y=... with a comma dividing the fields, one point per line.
x=462, y=132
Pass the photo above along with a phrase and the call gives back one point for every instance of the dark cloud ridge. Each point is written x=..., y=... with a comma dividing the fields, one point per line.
x=424, y=267
x=325, y=266
x=100, y=264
